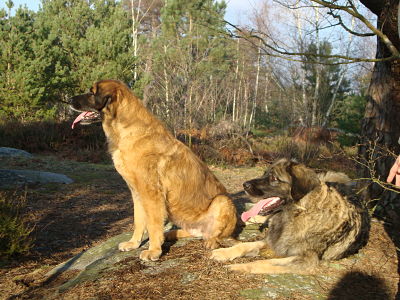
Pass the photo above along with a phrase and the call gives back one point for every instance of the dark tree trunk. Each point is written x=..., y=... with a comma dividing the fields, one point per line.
x=381, y=123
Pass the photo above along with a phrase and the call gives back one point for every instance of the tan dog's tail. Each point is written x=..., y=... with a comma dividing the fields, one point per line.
x=176, y=234
x=292, y=264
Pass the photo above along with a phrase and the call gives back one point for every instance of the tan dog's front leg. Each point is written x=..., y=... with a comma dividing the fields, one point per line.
x=155, y=211
x=139, y=229
x=239, y=250
x=156, y=239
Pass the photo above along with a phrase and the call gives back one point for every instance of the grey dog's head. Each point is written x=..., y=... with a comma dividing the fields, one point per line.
x=286, y=179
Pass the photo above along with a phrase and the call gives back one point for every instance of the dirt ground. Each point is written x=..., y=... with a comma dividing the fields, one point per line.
x=69, y=219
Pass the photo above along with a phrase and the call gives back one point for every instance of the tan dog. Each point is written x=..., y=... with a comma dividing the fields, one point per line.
x=311, y=217
x=167, y=180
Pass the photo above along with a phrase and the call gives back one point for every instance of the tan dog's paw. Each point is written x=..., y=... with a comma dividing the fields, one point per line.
x=127, y=246
x=150, y=255
x=222, y=254
x=211, y=243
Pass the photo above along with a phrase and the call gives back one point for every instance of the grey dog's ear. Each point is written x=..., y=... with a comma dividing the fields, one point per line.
x=292, y=163
x=304, y=179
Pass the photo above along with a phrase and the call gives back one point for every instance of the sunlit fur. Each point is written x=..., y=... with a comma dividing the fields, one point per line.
x=317, y=221
x=167, y=180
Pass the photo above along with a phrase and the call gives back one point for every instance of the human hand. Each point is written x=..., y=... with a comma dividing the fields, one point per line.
x=395, y=172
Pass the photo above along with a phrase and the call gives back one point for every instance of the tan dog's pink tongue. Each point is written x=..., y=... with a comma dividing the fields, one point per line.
x=258, y=207
x=80, y=117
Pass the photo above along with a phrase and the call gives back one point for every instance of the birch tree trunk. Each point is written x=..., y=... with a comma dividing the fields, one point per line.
x=166, y=84
x=135, y=24
x=333, y=99
x=304, y=100
x=246, y=105
x=190, y=113
x=340, y=80
x=266, y=94
x=314, y=107
x=234, y=83
x=254, y=102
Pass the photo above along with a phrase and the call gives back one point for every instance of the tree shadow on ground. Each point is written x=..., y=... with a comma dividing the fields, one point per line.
x=76, y=222
x=392, y=229
x=73, y=224
x=357, y=285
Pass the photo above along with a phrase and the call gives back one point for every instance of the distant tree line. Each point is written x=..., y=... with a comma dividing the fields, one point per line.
x=177, y=55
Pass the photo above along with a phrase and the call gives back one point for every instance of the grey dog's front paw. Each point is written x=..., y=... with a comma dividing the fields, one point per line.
x=222, y=254
x=242, y=268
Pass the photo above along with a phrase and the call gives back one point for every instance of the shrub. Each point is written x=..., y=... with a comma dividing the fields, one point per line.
x=348, y=140
x=83, y=143
x=14, y=231
x=350, y=114
x=302, y=152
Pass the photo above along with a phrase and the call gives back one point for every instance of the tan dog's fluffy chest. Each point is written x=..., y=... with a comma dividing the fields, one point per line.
x=167, y=171
x=119, y=163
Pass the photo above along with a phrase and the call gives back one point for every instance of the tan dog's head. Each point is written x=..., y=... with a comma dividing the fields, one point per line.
x=286, y=179
x=100, y=99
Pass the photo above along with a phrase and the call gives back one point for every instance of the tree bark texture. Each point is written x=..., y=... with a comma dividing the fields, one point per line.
x=381, y=123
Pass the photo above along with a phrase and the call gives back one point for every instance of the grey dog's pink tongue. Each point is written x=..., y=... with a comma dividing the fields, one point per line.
x=80, y=117
x=262, y=204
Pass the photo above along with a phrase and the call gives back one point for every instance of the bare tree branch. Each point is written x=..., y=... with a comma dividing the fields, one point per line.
x=352, y=10
x=275, y=52
x=271, y=48
x=337, y=16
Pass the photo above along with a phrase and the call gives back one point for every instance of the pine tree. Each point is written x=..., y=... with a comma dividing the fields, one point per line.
x=15, y=54
x=330, y=86
x=59, y=51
